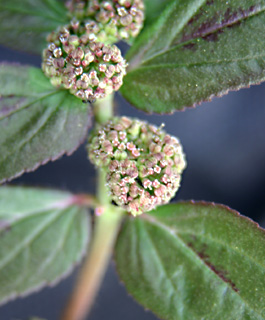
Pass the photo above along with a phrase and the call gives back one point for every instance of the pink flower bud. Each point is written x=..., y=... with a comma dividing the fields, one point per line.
x=139, y=176
x=83, y=65
x=110, y=21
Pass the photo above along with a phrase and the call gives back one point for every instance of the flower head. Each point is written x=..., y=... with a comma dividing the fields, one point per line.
x=118, y=19
x=76, y=61
x=143, y=163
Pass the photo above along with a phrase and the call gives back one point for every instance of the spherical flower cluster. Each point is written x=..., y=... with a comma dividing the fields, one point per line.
x=143, y=163
x=89, y=69
x=118, y=19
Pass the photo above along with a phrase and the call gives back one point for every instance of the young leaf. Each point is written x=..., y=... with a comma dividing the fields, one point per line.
x=43, y=234
x=38, y=123
x=196, y=50
x=193, y=261
x=25, y=24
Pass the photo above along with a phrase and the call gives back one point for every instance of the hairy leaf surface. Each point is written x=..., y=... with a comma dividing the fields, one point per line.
x=38, y=122
x=193, y=261
x=197, y=49
x=25, y=24
x=43, y=234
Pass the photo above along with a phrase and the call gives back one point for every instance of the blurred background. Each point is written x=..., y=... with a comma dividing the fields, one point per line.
x=224, y=141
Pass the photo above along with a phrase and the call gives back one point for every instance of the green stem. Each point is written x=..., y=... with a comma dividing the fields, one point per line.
x=104, y=236
x=91, y=275
x=103, y=109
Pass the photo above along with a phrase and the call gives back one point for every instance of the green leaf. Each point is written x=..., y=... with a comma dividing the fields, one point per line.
x=193, y=261
x=25, y=24
x=38, y=122
x=197, y=49
x=153, y=9
x=43, y=234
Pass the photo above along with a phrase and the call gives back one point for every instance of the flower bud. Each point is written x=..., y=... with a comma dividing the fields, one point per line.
x=143, y=163
x=89, y=69
x=118, y=19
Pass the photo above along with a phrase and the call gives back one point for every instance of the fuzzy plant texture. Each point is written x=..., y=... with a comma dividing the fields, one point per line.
x=143, y=163
x=184, y=261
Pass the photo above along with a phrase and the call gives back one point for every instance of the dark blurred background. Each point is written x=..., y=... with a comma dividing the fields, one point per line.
x=224, y=141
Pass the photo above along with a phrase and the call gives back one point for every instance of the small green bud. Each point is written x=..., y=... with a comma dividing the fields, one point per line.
x=143, y=163
x=89, y=69
x=117, y=19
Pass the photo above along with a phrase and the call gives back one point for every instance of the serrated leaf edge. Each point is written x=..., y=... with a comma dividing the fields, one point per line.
x=52, y=283
x=193, y=202
x=198, y=103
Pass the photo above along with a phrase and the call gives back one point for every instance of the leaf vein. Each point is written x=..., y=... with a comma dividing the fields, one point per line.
x=172, y=232
x=59, y=247
x=176, y=231
x=31, y=238
x=161, y=52
x=36, y=131
x=198, y=64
